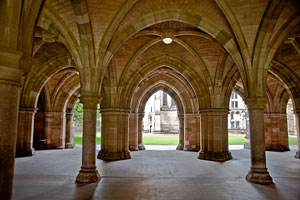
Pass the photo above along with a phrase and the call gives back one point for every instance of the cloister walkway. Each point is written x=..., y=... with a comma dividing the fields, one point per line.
x=154, y=175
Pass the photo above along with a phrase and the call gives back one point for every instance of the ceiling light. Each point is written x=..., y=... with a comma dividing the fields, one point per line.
x=167, y=40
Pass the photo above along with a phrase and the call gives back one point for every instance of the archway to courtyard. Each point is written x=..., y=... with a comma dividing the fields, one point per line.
x=161, y=122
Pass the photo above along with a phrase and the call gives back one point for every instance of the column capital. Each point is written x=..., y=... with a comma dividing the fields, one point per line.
x=256, y=102
x=10, y=71
x=115, y=110
x=27, y=110
x=141, y=115
x=90, y=102
x=214, y=111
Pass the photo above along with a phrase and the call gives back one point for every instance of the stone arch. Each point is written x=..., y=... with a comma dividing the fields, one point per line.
x=203, y=23
x=179, y=66
x=37, y=79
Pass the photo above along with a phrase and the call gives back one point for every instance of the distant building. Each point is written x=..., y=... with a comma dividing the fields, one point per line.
x=160, y=114
x=238, y=114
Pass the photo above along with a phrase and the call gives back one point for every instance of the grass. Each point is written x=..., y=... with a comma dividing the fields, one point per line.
x=174, y=139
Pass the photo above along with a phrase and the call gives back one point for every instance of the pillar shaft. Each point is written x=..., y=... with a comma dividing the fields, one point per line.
x=10, y=83
x=69, y=141
x=190, y=132
x=133, y=131
x=214, y=135
x=297, y=118
x=140, y=132
x=181, y=132
x=25, y=132
x=114, y=142
x=258, y=172
x=55, y=130
x=276, y=133
x=88, y=172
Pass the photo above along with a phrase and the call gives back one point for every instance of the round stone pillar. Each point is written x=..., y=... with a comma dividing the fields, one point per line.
x=214, y=135
x=133, y=132
x=140, y=132
x=69, y=141
x=89, y=172
x=25, y=132
x=297, y=118
x=114, y=141
x=180, y=146
x=258, y=172
x=10, y=83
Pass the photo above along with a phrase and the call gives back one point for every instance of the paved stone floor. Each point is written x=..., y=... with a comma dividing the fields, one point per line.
x=154, y=175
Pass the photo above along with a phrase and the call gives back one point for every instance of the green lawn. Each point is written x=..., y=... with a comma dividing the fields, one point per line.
x=174, y=139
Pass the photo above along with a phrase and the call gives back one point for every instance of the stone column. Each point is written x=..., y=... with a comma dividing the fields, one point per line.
x=297, y=118
x=10, y=83
x=276, y=133
x=69, y=142
x=181, y=132
x=25, y=132
x=214, y=135
x=55, y=130
x=48, y=130
x=89, y=172
x=190, y=132
x=258, y=172
x=140, y=132
x=133, y=132
x=114, y=141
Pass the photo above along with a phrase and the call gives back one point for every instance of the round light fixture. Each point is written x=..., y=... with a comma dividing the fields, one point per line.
x=167, y=40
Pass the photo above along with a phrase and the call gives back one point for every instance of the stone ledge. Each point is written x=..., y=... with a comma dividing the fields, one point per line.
x=214, y=156
x=260, y=176
x=111, y=156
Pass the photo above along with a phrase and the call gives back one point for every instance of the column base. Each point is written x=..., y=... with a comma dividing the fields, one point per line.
x=260, y=176
x=278, y=148
x=111, y=156
x=141, y=147
x=24, y=153
x=214, y=156
x=88, y=176
x=69, y=146
x=133, y=148
x=297, y=154
x=179, y=147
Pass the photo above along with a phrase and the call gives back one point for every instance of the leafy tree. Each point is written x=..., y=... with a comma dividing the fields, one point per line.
x=78, y=112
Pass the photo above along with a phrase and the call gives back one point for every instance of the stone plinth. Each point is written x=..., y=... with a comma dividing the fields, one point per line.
x=276, y=134
x=114, y=141
x=214, y=135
